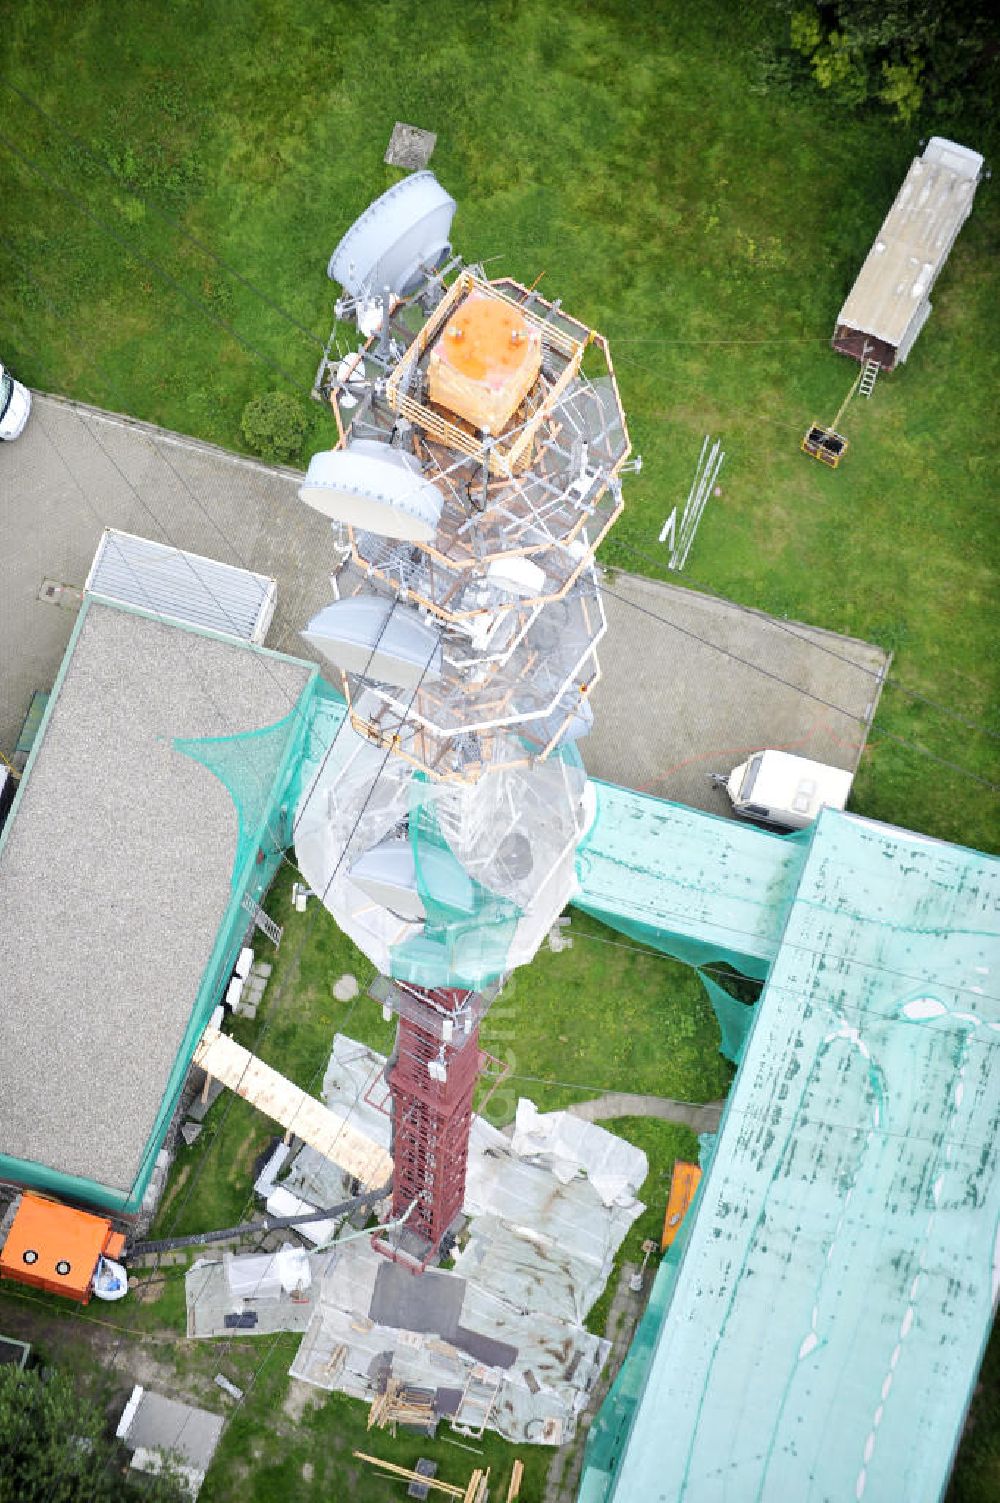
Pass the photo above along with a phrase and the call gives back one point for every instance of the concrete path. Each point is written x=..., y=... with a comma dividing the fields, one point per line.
x=691, y=683
x=621, y=1104
x=623, y=1317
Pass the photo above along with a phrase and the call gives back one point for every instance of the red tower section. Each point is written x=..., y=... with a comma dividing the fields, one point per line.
x=431, y=1077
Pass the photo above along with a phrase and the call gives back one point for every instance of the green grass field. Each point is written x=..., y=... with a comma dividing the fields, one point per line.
x=710, y=225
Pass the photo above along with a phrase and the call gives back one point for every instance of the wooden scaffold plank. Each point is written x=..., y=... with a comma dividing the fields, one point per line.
x=279, y=1098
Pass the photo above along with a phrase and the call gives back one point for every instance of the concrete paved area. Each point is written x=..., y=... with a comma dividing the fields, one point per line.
x=622, y=1104
x=691, y=684
x=76, y=470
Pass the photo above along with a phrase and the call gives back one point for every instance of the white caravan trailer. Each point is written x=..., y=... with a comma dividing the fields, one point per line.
x=785, y=791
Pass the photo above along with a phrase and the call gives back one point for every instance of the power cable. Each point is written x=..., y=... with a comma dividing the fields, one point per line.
x=788, y=627
x=306, y=929
x=196, y=302
x=184, y=638
x=619, y=339
x=162, y=213
x=666, y=913
x=160, y=453
x=838, y=709
x=797, y=688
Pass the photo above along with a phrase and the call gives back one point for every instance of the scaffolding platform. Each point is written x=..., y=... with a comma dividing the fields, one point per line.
x=825, y=445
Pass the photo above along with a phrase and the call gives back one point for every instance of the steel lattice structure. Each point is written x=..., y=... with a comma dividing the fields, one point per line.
x=481, y=445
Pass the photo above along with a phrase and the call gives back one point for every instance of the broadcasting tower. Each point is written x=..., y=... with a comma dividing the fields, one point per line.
x=481, y=443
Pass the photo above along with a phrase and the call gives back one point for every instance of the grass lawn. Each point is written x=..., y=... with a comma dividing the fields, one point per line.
x=711, y=227
x=638, y=159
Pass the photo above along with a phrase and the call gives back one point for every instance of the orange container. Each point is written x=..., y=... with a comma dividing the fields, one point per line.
x=55, y=1247
x=485, y=362
x=683, y=1183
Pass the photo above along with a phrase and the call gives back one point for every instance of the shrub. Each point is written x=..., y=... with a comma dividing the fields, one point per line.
x=274, y=426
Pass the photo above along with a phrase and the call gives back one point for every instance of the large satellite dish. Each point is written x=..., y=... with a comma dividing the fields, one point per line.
x=374, y=487
x=398, y=240
x=388, y=875
x=378, y=638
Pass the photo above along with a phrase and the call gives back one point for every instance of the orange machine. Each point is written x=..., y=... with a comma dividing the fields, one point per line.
x=683, y=1183
x=57, y=1248
x=485, y=362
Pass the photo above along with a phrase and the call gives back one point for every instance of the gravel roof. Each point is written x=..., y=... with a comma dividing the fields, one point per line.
x=114, y=877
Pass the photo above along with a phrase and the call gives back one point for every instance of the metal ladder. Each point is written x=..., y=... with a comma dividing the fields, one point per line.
x=869, y=376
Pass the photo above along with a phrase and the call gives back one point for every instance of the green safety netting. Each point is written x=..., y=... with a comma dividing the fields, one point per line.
x=840, y=1258
x=733, y=1016
x=706, y=891
x=468, y=929
x=260, y=769
x=694, y=886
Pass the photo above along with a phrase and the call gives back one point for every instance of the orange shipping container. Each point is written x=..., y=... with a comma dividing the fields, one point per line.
x=55, y=1247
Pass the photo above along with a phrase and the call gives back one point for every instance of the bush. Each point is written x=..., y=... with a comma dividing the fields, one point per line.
x=274, y=426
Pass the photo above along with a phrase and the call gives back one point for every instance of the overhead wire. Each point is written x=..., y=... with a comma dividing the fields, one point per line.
x=797, y=688
x=781, y=624
x=196, y=302
x=668, y=623
x=224, y=713
x=916, y=694
x=64, y=133
x=306, y=929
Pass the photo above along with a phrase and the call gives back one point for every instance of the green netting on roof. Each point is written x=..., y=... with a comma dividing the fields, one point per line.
x=467, y=929
x=823, y=1331
x=260, y=769
x=701, y=889
x=252, y=764
x=734, y=1018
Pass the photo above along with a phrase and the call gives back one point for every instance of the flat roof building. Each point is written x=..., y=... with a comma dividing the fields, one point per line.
x=150, y=807
x=817, y=1328
x=890, y=301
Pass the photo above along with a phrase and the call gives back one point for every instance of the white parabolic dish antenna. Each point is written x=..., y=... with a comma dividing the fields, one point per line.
x=388, y=874
x=378, y=638
x=398, y=239
x=375, y=488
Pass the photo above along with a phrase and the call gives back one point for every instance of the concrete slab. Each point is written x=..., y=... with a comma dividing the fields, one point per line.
x=410, y=146
x=693, y=684
x=76, y=470
x=707, y=674
x=210, y=1302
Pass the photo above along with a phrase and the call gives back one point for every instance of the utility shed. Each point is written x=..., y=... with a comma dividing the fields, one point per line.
x=153, y=1427
x=182, y=587
x=152, y=804
x=820, y=1333
x=890, y=301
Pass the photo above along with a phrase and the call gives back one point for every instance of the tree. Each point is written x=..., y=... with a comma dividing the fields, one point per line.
x=904, y=54
x=274, y=426
x=54, y=1449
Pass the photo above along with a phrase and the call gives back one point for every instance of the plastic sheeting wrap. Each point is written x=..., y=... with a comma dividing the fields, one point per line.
x=537, y=1398
x=266, y=1276
x=540, y=1248
x=568, y=1146
x=481, y=895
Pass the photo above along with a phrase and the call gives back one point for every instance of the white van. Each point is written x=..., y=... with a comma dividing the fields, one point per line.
x=15, y=404
x=785, y=791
